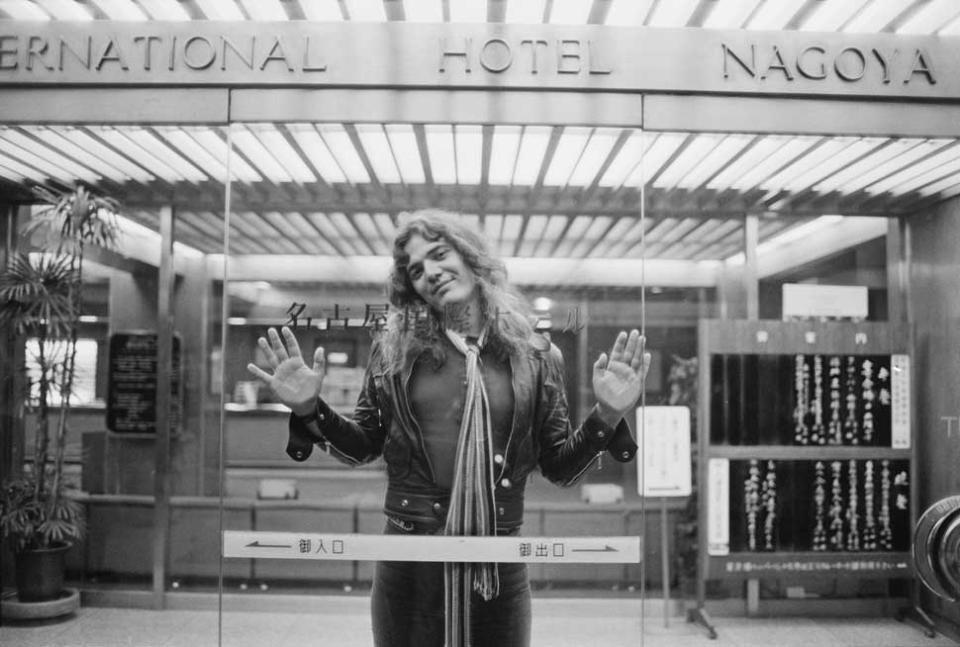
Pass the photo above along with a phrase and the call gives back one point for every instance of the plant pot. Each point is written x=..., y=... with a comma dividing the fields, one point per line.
x=39, y=573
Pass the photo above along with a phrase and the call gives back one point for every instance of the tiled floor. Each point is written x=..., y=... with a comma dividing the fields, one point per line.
x=343, y=621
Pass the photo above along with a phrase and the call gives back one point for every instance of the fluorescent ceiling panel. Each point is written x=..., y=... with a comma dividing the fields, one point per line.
x=550, y=236
x=322, y=10
x=123, y=10
x=443, y=163
x=366, y=10
x=54, y=138
x=164, y=9
x=931, y=175
x=316, y=151
x=783, y=178
x=675, y=13
x=89, y=142
x=212, y=141
x=784, y=154
x=626, y=160
x=193, y=151
x=378, y=151
x=682, y=164
x=406, y=151
x=774, y=15
x=52, y=164
x=468, y=10
x=659, y=149
x=591, y=236
x=714, y=161
x=569, y=12
x=503, y=154
x=65, y=9
x=280, y=148
x=729, y=14
x=593, y=156
x=159, y=149
x=265, y=10
x=492, y=225
x=903, y=160
x=935, y=161
x=531, y=235
x=119, y=140
x=423, y=10
x=628, y=13
x=533, y=146
x=22, y=10
x=512, y=223
x=931, y=17
x=566, y=155
x=469, y=147
x=852, y=149
x=578, y=227
x=369, y=232
x=340, y=145
x=258, y=155
x=875, y=16
x=844, y=179
x=220, y=10
x=829, y=16
x=525, y=11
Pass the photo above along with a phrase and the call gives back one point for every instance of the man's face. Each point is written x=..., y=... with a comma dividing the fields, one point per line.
x=438, y=273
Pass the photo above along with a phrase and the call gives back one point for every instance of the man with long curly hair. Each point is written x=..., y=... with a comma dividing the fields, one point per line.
x=463, y=399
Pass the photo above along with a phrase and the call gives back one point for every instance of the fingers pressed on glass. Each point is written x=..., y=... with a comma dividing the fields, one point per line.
x=293, y=346
x=277, y=344
x=631, y=346
x=259, y=372
x=272, y=358
x=618, y=345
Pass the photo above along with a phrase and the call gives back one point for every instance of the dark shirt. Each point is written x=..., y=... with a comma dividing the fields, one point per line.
x=437, y=395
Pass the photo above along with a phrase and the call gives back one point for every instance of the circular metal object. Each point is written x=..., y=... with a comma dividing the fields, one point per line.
x=936, y=540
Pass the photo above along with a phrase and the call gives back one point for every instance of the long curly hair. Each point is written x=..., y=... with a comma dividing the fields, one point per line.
x=413, y=326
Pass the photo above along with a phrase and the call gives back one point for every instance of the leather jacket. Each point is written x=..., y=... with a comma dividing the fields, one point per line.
x=383, y=424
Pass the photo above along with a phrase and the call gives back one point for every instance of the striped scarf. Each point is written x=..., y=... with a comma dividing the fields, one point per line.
x=472, y=502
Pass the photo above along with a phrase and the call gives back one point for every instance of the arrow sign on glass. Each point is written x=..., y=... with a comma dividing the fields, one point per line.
x=431, y=548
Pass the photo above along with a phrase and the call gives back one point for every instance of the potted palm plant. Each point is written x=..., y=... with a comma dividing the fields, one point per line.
x=40, y=301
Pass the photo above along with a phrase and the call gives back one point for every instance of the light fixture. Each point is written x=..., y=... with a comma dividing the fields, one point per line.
x=542, y=304
x=729, y=14
x=468, y=11
x=468, y=140
x=219, y=10
x=628, y=13
x=593, y=156
x=503, y=154
x=930, y=17
x=568, y=12
x=875, y=16
x=406, y=151
x=423, y=10
x=316, y=151
x=365, y=10
x=340, y=145
x=532, y=234
x=625, y=161
x=774, y=15
x=64, y=9
x=566, y=155
x=322, y=10
x=443, y=163
x=125, y=10
x=533, y=146
x=525, y=11
x=377, y=148
x=675, y=13
x=830, y=16
x=265, y=10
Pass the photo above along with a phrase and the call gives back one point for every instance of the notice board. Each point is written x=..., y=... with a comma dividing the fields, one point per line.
x=132, y=383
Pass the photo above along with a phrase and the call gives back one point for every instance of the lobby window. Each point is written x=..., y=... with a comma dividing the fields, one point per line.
x=85, y=376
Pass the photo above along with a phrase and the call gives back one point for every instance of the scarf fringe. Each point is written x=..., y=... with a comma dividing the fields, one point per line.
x=472, y=500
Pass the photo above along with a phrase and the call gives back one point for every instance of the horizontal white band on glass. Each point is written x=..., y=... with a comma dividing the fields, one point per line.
x=431, y=548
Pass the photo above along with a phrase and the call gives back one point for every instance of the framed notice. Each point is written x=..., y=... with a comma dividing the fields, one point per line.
x=132, y=383
x=664, y=469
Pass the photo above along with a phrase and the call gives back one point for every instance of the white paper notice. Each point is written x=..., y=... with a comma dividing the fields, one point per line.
x=900, y=401
x=718, y=506
x=663, y=434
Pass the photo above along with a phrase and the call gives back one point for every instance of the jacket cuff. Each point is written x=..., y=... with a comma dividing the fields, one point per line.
x=304, y=432
x=617, y=440
x=597, y=432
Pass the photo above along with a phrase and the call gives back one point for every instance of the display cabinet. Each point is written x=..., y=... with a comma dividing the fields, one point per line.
x=806, y=451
